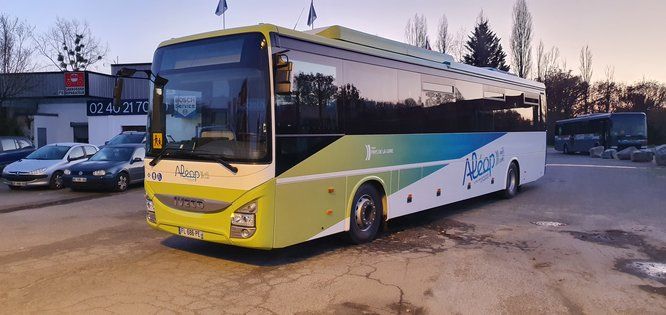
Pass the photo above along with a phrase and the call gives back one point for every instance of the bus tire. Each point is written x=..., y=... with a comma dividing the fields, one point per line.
x=512, y=181
x=366, y=215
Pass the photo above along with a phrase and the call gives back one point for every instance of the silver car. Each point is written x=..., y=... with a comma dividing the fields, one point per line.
x=45, y=166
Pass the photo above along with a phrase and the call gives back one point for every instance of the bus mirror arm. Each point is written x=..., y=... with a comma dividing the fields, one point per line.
x=129, y=73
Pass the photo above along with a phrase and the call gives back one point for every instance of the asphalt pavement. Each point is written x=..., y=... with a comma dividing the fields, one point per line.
x=589, y=237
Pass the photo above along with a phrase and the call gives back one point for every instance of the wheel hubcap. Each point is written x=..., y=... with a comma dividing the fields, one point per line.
x=122, y=182
x=58, y=180
x=365, y=212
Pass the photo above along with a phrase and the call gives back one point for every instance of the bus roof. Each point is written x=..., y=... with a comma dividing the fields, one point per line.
x=596, y=116
x=352, y=40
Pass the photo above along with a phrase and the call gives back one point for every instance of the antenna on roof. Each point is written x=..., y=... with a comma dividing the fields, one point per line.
x=299, y=18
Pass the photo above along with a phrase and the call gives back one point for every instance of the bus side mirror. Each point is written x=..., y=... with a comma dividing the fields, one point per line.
x=118, y=92
x=283, y=68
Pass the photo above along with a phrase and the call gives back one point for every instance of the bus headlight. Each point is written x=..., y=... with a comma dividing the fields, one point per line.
x=150, y=210
x=243, y=221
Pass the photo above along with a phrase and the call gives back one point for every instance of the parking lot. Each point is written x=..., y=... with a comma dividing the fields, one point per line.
x=589, y=237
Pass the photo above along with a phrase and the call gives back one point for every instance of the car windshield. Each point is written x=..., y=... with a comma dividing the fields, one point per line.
x=216, y=100
x=49, y=152
x=127, y=138
x=113, y=154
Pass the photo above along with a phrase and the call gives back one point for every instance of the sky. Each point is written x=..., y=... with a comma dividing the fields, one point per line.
x=627, y=35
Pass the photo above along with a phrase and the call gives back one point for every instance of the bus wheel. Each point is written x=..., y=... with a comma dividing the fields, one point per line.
x=366, y=215
x=512, y=181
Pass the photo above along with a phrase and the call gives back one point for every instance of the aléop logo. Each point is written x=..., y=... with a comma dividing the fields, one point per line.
x=191, y=175
x=370, y=151
x=479, y=168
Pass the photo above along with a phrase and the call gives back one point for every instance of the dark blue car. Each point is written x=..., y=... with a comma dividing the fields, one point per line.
x=13, y=149
x=114, y=167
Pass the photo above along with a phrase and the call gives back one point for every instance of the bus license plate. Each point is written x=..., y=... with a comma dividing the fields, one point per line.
x=79, y=179
x=192, y=233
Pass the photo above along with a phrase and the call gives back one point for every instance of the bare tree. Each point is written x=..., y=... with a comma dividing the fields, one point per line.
x=586, y=64
x=548, y=61
x=443, y=38
x=521, y=39
x=457, y=47
x=585, y=67
x=15, y=59
x=70, y=45
x=416, y=31
x=15, y=56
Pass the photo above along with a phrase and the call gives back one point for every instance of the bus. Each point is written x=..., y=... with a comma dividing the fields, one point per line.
x=610, y=130
x=281, y=136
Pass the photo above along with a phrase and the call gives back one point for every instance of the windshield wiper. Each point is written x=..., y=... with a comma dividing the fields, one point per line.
x=191, y=152
x=224, y=163
x=163, y=154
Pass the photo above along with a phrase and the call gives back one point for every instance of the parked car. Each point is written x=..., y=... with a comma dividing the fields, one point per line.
x=114, y=167
x=45, y=166
x=127, y=137
x=13, y=149
x=131, y=137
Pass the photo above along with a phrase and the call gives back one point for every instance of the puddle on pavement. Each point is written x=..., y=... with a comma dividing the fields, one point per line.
x=435, y=237
x=549, y=223
x=654, y=267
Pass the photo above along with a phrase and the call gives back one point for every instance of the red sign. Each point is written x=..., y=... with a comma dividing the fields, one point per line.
x=75, y=79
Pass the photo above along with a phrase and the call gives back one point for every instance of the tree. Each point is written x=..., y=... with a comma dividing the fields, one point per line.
x=521, y=39
x=457, y=46
x=416, y=31
x=70, y=45
x=586, y=74
x=548, y=61
x=644, y=96
x=443, y=38
x=15, y=59
x=564, y=92
x=484, y=48
x=606, y=94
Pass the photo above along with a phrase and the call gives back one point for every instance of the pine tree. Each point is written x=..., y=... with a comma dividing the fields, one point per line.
x=484, y=48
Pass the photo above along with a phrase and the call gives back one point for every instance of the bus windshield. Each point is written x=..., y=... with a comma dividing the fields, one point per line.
x=629, y=126
x=216, y=101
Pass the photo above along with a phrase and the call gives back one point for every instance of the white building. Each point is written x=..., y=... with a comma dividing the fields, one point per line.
x=76, y=106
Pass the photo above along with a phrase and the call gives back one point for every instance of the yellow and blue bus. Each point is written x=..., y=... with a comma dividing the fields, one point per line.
x=281, y=136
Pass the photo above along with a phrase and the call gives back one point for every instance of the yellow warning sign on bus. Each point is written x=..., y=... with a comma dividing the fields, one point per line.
x=157, y=140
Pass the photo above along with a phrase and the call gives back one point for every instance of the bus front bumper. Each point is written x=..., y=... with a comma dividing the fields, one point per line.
x=215, y=227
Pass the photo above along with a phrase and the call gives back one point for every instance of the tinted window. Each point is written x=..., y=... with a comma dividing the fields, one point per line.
x=49, y=152
x=77, y=153
x=311, y=108
x=113, y=154
x=8, y=144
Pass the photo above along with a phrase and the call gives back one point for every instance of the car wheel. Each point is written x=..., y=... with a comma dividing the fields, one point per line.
x=512, y=181
x=366, y=215
x=122, y=182
x=57, y=181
